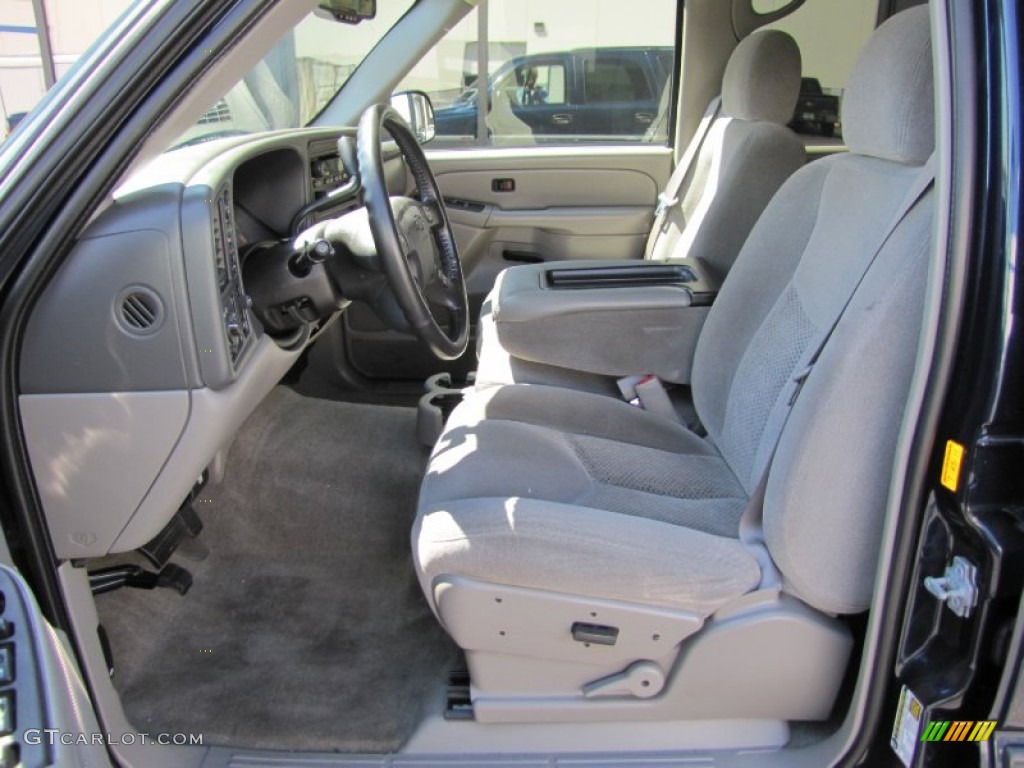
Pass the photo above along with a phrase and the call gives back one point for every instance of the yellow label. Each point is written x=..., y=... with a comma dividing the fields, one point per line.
x=951, y=465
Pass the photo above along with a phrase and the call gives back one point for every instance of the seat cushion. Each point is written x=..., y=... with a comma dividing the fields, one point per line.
x=542, y=487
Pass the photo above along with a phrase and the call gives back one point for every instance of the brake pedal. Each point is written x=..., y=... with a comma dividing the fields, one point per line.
x=175, y=577
x=184, y=526
x=194, y=550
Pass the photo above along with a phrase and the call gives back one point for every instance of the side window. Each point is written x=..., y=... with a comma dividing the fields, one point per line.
x=448, y=73
x=557, y=73
x=532, y=84
x=666, y=62
x=545, y=84
x=830, y=33
x=607, y=79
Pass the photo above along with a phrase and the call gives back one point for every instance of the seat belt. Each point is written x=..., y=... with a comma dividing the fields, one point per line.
x=670, y=196
x=647, y=392
x=751, y=529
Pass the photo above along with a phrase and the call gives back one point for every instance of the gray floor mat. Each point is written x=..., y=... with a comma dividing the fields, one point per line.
x=305, y=627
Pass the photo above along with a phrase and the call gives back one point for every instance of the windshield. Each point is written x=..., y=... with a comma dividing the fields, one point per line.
x=297, y=78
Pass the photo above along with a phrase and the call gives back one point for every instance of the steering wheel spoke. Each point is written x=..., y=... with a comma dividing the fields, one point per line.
x=433, y=213
x=438, y=292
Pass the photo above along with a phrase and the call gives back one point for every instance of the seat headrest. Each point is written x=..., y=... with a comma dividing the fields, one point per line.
x=889, y=106
x=762, y=78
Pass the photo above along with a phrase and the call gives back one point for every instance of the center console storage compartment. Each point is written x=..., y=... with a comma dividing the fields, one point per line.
x=614, y=318
x=619, y=276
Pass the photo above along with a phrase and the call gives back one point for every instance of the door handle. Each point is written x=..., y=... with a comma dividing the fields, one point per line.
x=561, y=119
x=646, y=118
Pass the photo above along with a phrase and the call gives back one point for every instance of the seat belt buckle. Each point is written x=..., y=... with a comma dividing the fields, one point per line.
x=665, y=201
x=647, y=392
x=628, y=387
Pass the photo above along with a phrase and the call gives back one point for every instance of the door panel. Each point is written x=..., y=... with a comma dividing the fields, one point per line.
x=653, y=161
x=568, y=203
x=550, y=234
x=563, y=203
x=540, y=189
x=518, y=237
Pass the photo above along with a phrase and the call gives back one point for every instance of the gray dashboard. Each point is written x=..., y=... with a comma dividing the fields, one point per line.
x=143, y=357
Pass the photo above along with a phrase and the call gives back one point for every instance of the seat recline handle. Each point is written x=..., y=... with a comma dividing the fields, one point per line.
x=641, y=679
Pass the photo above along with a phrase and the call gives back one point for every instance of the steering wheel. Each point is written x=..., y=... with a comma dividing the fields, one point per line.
x=413, y=237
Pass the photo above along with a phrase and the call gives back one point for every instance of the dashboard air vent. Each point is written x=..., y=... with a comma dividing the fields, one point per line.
x=140, y=311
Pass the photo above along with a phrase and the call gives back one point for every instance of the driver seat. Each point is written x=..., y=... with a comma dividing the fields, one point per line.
x=599, y=562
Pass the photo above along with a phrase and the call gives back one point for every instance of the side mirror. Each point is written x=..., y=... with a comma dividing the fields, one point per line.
x=347, y=11
x=418, y=111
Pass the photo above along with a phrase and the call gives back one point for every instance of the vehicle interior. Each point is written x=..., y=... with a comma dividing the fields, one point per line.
x=353, y=440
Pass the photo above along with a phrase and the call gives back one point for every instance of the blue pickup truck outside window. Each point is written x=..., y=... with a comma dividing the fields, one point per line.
x=556, y=74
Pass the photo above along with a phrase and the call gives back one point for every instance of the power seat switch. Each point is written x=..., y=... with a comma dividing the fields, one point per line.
x=595, y=634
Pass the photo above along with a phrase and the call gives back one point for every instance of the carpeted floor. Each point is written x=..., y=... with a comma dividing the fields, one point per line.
x=305, y=627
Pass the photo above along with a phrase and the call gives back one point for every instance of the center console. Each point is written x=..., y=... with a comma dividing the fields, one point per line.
x=612, y=318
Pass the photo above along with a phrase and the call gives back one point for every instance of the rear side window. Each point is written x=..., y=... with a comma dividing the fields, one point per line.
x=611, y=79
x=560, y=72
x=666, y=62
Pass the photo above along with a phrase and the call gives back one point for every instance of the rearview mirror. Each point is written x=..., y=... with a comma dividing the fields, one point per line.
x=418, y=111
x=347, y=11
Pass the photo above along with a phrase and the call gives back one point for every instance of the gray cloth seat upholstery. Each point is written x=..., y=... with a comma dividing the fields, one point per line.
x=540, y=484
x=746, y=155
x=573, y=493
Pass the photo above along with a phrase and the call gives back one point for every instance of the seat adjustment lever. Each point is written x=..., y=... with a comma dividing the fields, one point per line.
x=641, y=679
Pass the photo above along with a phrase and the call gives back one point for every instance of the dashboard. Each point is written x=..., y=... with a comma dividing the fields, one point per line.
x=144, y=355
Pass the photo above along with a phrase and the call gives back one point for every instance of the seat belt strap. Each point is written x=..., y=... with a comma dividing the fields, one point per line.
x=751, y=528
x=670, y=197
x=918, y=189
x=752, y=532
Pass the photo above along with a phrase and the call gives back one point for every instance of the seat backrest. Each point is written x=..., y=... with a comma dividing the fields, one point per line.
x=745, y=157
x=827, y=487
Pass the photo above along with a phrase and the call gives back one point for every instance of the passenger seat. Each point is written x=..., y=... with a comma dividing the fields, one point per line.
x=738, y=163
x=745, y=156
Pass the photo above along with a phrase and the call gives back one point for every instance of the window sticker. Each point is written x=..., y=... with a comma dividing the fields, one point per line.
x=907, y=726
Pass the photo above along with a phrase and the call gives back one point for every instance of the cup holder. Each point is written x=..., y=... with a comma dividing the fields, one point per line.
x=435, y=407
